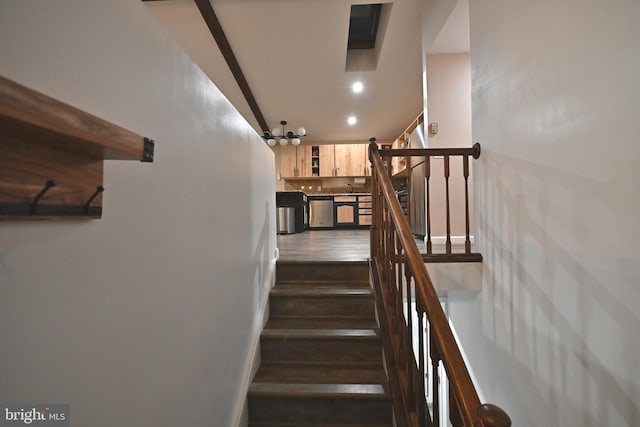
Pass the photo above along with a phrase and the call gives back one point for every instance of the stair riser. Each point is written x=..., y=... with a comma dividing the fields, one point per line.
x=361, y=306
x=326, y=350
x=319, y=374
x=319, y=410
x=343, y=271
x=321, y=323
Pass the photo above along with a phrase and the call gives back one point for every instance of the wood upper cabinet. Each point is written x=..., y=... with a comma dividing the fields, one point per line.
x=358, y=159
x=350, y=159
x=367, y=163
x=324, y=160
x=288, y=163
x=343, y=159
x=327, y=160
x=304, y=160
x=295, y=161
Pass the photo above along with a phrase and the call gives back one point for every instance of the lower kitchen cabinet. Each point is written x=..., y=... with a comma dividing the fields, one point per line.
x=346, y=208
x=340, y=211
x=364, y=211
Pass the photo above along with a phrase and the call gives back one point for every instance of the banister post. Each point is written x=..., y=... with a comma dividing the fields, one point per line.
x=476, y=150
x=492, y=416
x=372, y=145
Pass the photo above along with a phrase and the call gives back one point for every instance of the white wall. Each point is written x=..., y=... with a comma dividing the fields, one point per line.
x=149, y=316
x=449, y=102
x=553, y=336
x=434, y=16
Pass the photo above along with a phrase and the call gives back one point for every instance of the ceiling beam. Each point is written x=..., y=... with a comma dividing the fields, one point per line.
x=210, y=18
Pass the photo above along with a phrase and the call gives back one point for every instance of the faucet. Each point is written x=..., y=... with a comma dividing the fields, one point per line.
x=350, y=190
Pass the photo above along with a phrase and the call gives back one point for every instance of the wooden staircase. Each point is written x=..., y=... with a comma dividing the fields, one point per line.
x=321, y=352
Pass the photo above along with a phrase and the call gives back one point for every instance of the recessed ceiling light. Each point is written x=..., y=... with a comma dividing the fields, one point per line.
x=357, y=87
x=352, y=120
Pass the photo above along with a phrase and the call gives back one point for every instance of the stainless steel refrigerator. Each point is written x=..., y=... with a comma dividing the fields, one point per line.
x=417, y=212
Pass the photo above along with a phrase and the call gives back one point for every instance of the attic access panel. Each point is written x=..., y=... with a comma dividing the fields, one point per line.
x=363, y=26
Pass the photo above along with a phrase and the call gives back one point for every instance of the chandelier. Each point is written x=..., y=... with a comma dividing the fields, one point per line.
x=283, y=137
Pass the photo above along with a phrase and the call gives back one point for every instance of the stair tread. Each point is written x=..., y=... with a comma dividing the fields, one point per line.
x=321, y=322
x=303, y=390
x=321, y=351
x=320, y=316
x=316, y=425
x=320, y=292
x=320, y=373
x=315, y=333
x=313, y=364
x=323, y=283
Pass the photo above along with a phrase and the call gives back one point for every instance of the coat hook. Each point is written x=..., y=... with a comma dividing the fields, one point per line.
x=99, y=189
x=34, y=206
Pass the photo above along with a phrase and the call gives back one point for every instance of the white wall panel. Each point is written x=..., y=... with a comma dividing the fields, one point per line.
x=149, y=316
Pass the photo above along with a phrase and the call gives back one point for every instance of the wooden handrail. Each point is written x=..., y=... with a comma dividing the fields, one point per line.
x=392, y=244
x=404, y=152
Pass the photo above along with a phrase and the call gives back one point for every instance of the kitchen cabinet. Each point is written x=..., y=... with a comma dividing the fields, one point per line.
x=324, y=160
x=304, y=160
x=364, y=210
x=367, y=163
x=350, y=159
x=359, y=158
x=314, y=160
x=345, y=211
x=327, y=160
x=295, y=160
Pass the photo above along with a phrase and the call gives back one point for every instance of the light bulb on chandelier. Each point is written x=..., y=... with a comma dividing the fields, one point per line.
x=283, y=137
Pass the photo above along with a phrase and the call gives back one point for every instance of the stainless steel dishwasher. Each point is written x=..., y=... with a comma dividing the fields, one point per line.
x=321, y=212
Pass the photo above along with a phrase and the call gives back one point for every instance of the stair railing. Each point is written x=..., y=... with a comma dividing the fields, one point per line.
x=401, y=281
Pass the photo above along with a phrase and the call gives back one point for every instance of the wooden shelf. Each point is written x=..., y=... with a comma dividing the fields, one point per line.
x=42, y=139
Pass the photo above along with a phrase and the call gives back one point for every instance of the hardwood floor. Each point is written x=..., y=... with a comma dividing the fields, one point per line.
x=329, y=245
x=353, y=245
x=325, y=245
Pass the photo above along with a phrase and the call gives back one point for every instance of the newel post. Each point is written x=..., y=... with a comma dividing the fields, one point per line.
x=492, y=416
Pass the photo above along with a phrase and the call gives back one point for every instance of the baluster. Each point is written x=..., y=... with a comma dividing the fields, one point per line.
x=446, y=180
x=400, y=261
x=383, y=253
x=387, y=256
x=427, y=172
x=422, y=403
x=465, y=168
x=395, y=287
x=409, y=339
x=454, y=411
x=435, y=378
x=398, y=308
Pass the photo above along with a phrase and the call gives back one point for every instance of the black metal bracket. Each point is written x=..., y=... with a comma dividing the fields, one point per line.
x=99, y=189
x=35, y=208
x=34, y=205
x=147, y=150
